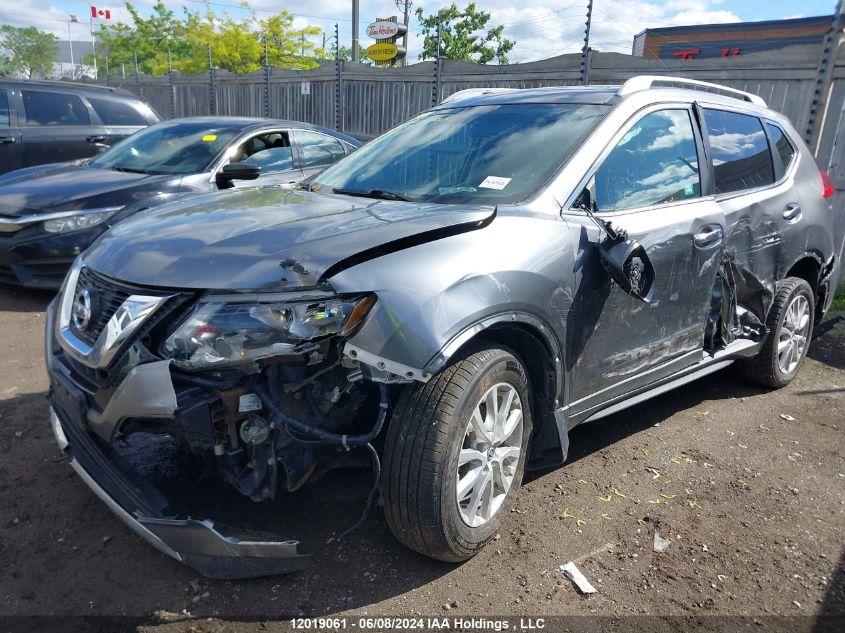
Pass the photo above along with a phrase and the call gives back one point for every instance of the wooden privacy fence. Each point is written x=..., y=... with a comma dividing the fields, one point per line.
x=805, y=83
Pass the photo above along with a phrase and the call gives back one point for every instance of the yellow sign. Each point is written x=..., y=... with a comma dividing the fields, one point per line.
x=382, y=51
x=209, y=138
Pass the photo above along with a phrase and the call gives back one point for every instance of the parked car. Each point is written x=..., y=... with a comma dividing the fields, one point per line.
x=50, y=121
x=463, y=291
x=51, y=213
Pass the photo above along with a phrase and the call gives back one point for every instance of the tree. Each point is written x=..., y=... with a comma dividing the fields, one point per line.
x=28, y=51
x=463, y=37
x=236, y=45
x=346, y=55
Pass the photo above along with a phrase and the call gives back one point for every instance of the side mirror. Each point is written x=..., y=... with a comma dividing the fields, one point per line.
x=629, y=266
x=237, y=171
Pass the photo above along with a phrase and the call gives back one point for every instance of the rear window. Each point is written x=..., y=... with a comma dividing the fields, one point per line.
x=4, y=109
x=740, y=151
x=54, y=108
x=113, y=112
x=782, y=145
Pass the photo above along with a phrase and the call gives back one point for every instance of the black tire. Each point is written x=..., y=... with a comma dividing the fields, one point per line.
x=422, y=447
x=763, y=369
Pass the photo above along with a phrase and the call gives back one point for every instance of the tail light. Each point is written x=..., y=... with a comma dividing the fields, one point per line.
x=827, y=185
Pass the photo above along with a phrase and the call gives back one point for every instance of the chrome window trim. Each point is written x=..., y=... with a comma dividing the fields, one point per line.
x=126, y=320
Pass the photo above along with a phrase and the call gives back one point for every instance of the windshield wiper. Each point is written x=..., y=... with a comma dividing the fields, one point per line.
x=129, y=170
x=379, y=194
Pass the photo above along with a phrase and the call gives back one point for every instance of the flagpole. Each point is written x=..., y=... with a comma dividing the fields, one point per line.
x=93, y=42
x=70, y=44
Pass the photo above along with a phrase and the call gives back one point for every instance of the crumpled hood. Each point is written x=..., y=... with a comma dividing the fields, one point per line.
x=71, y=186
x=265, y=238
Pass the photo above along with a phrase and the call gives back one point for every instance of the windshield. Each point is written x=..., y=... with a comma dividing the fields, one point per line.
x=169, y=148
x=493, y=154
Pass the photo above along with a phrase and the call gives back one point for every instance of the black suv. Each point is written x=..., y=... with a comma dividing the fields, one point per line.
x=51, y=121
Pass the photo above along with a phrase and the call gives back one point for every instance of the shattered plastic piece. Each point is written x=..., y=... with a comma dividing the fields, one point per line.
x=607, y=498
x=574, y=574
x=787, y=417
x=721, y=577
x=660, y=544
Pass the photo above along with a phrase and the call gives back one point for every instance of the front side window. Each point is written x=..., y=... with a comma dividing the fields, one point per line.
x=169, y=148
x=740, y=151
x=656, y=162
x=270, y=151
x=5, y=119
x=782, y=145
x=476, y=154
x=318, y=149
x=54, y=108
x=114, y=112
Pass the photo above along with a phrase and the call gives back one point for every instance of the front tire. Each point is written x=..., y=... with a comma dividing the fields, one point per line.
x=455, y=454
x=790, y=324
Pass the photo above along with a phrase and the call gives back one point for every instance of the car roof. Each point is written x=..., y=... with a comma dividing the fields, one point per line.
x=660, y=87
x=248, y=124
x=68, y=85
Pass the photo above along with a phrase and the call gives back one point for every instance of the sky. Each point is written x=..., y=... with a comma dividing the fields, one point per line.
x=546, y=29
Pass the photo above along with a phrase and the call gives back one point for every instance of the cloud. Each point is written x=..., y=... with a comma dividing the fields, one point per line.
x=544, y=30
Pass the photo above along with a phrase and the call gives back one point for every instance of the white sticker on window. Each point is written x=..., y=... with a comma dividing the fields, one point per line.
x=494, y=182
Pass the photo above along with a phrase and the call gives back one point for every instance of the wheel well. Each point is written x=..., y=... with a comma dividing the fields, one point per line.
x=539, y=362
x=808, y=269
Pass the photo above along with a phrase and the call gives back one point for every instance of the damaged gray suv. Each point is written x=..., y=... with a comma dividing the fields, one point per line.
x=445, y=304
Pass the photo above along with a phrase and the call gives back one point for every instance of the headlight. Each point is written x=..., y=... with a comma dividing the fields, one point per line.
x=226, y=333
x=82, y=220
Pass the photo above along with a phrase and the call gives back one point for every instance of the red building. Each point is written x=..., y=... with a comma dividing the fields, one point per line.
x=728, y=40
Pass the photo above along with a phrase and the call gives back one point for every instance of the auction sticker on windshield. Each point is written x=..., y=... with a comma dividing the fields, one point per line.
x=494, y=182
x=209, y=138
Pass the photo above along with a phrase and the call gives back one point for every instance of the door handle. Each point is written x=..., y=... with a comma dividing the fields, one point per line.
x=8, y=139
x=95, y=139
x=708, y=236
x=792, y=212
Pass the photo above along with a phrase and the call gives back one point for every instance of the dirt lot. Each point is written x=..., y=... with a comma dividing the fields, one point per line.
x=748, y=485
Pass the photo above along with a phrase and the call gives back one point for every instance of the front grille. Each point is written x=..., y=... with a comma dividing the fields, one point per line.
x=109, y=297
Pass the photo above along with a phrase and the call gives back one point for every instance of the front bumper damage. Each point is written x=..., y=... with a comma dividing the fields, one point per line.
x=214, y=550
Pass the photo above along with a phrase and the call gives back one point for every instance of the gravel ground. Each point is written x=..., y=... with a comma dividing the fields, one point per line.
x=747, y=486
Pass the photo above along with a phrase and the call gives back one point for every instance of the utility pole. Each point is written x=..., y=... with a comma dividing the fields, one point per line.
x=585, y=52
x=355, y=20
x=407, y=7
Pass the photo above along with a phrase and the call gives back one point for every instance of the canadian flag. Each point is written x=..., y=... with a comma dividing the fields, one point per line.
x=100, y=13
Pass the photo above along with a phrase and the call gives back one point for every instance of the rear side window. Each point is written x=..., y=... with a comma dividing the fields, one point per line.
x=54, y=108
x=4, y=109
x=113, y=112
x=318, y=149
x=782, y=145
x=656, y=162
x=741, y=156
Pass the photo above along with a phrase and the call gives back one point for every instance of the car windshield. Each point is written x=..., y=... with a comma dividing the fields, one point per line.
x=169, y=148
x=486, y=154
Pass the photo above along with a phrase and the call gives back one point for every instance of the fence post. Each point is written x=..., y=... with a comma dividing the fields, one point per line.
x=337, y=84
x=171, y=86
x=585, y=52
x=266, y=78
x=823, y=77
x=212, y=87
x=435, y=89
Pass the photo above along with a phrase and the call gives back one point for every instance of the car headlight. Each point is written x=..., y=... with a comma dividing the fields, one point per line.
x=84, y=219
x=225, y=333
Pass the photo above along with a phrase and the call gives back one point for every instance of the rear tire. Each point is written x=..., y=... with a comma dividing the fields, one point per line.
x=790, y=324
x=441, y=439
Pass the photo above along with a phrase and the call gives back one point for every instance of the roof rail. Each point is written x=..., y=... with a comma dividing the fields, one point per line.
x=475, y=92
x=644, y=82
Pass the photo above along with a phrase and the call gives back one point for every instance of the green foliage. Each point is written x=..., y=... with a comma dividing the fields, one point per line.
x=27, y=52
x=463, y=36
x=236, y=45
x=839, y=299
x=346, y=54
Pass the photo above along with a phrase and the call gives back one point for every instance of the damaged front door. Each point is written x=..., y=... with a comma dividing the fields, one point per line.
x=649, y=185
